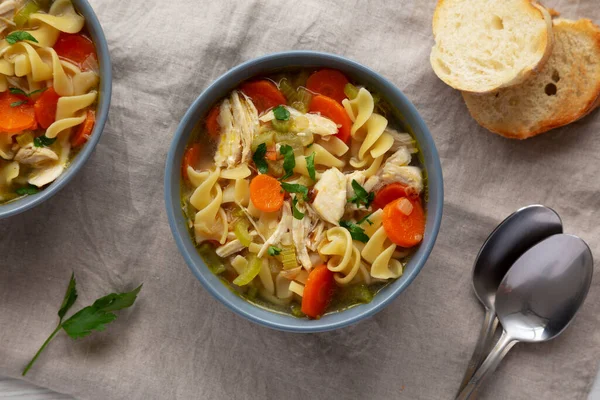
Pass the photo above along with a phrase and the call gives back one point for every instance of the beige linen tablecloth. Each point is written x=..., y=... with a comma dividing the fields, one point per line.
x=109, y=226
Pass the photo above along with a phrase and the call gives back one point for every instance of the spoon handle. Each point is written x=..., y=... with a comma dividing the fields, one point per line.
x=486, y=335
x=505, y=343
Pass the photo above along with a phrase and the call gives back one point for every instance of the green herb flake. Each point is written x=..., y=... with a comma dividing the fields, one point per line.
x=259, y=158
x=43, y=141
x=365, y=219
x=27, y=190
x=37, y=91
x=297, y=214
x=310, y=166
x=361, y=196
x=289, y=160
x=19, y=36
x=18, y=103
x=281, y=113
x=17, y=91
x=88, y=319
x=356, y=231
x=273, y=251
x=295, y=188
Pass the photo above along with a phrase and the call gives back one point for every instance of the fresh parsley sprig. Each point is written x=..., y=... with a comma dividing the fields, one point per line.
x=289, y=160
x=273, y=251
x=21, y=92
x=295, y=212
x=27, y=190
x=281, y=113
x=259, y=158
x=43, y=141
x=310, y=166
x=18, y=103
x=295, y=188
x=19, y=36
x=361, y=196
x=365, y=219
x=356, y=232
x=88, y=319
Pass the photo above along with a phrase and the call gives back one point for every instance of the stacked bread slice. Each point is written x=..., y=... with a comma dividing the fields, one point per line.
x=521, y=73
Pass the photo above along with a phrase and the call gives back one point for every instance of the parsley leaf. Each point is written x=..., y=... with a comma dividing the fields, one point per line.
x=297, y=214
x=70, y=297
x=43, y=141
x=356, y=231
x=273, y=251
x=295, y=188
x=27, y=190
x=259, y=158
x=289, y=160
x=19, y=36
x=281, y=113
x=18, y=103
x=37, y=91
x=310, y=166
x=361, y=196
x=89, y=319
x=365, y=218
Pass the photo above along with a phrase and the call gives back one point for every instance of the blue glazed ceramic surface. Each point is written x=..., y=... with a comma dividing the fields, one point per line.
x=262, y=66
x=95, y=30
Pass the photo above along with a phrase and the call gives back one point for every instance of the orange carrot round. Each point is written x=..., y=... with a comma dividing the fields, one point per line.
x=14, y=116
x=404, y=230
x=266, y=193
x=328, y=82
x=318, y=291
x=391, y=192
x=264, y=94
x=333, y=110
x=85, y=130
x=75, y=48
x=212, y=122
x=45, y=108
x=190, y=158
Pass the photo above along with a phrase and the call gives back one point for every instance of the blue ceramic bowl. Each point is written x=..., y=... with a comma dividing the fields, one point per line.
x=95, y=30
x=265, y=65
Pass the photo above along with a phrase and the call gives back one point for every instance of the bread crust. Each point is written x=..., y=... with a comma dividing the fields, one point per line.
x=544, y=47
x=566, y=114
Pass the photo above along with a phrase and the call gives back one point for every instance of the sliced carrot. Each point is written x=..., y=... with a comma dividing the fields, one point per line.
x=391, y=192
x=16, y=116
x=266, y=193
x=271, y=153
x=333, y=110
x=328, y=82
x=264, y=94
x=45, y=108
x=404, y=230
x=190, y=158
x=75, y=48
x=85, y=130
x=318, y=291
x=212, y=122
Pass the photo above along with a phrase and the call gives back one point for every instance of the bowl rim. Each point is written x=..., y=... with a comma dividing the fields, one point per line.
x=105, y=92
x=185, y=244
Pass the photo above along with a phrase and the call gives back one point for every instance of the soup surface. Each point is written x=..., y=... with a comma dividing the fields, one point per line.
x=48, y=92
x=302, y=193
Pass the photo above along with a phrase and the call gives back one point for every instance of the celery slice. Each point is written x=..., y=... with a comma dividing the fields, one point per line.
x=266, y=138
x=288, y=91
x=350, y=91
x=288, y=257
x=249, y=273
x=240, y=229
x=21, y=17
x=24, y=139
x=281, y=126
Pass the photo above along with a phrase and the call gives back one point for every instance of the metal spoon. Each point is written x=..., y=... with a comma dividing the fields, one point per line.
x=515, y=235
x=538, y=298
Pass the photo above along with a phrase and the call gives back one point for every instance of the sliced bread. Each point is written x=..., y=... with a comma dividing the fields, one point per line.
x=567, y=88
x=481, y=45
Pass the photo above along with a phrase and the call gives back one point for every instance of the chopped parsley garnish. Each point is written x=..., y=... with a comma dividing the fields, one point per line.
x=259, y=158
x=295, y=188
x=361, y=196
x=43, y=141
x=37, y=91
x=20, y=92
x=289, y=160
x=18, y=103
x=27, y=190
x=19, y=36
x=281, y=113
x=356, y=231
x=297, y=214
x=310, y=166
x=273, y=251
x=365, y=219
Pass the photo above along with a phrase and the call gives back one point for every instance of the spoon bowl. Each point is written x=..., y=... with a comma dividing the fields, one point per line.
x=538, y=298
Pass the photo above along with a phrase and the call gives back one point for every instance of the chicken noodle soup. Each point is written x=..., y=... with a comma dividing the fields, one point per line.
x=48, y=91
x=301, y=193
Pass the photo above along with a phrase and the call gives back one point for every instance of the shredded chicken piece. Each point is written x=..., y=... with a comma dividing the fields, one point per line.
x=330, y=201
x=306, y=123
x=284, y=226
x=35, y=156
x=300, y=230
x=396, y=169
x=230, y=248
